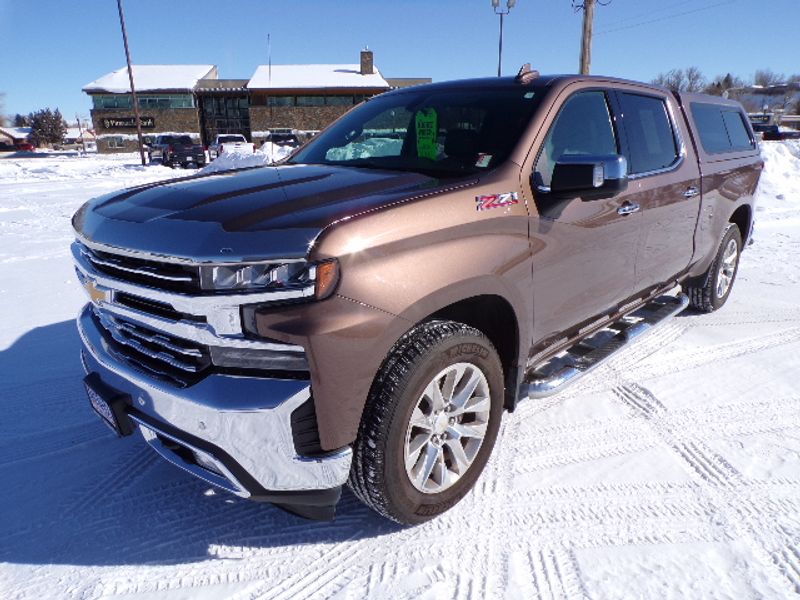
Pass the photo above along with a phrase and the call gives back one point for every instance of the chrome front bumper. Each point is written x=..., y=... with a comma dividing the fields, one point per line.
x=233, y=432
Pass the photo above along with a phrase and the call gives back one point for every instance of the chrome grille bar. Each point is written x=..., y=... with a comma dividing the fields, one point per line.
x=142, y=271
x=116, y=329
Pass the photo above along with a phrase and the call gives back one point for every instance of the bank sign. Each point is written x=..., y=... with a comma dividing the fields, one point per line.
x=128, y=122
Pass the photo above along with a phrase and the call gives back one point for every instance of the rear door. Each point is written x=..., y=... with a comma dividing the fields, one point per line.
x=664, y=182
x=584, y=251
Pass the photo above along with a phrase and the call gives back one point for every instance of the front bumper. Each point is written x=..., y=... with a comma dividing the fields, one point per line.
x=232, y=431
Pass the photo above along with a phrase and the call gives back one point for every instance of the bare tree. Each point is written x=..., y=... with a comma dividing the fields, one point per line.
x=680, y=80
x=766, y=78
x=2, y=109
x=695, y=80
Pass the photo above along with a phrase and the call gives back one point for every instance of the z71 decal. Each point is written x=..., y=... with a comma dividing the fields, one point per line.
x=496, y=200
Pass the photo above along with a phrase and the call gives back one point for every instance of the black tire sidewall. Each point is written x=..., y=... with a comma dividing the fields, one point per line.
x=405, y=500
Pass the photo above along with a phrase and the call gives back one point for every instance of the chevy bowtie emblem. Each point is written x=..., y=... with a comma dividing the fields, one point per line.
x=96, y=294
x=496, y=200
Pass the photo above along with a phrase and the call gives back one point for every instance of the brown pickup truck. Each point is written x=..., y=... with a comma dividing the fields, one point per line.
x=365, y=312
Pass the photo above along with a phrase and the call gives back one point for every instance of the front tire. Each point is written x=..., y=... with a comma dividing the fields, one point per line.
x=430, y=422
x=717, y=283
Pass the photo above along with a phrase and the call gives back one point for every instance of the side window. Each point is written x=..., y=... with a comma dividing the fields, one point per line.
x=711, y=127
x=583, y=126
x=737, y=131
x=651, y=140
x=721, y=128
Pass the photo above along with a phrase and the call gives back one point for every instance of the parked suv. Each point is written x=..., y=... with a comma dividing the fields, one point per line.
x=366, y=312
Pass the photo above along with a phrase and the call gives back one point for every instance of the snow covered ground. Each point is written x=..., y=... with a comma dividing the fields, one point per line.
x=673, y=472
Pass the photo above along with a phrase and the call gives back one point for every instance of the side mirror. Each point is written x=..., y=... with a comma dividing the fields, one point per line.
x=589, y=177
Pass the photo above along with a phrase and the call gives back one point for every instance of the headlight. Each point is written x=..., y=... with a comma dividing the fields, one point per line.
x=264, y=277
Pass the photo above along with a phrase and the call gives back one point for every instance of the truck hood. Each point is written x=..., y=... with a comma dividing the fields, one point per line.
x=262, y=213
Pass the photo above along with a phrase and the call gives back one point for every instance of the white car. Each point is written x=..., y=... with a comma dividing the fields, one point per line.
x=230, y=142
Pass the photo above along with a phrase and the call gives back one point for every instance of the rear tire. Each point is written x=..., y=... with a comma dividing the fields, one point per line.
x=717, y=283
x=419, y=451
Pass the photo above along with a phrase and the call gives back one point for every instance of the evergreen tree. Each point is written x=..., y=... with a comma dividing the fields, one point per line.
x=22, y=120
x=47, y=127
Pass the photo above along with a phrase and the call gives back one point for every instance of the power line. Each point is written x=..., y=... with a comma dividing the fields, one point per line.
x=641, y=15
x=665, y=18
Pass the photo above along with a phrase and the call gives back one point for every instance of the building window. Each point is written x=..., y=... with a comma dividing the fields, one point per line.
x=280, y=101
x=311, y=101
x=115, y=142
x=148, y=101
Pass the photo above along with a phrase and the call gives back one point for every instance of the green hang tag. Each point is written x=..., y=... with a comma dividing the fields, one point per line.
x=427, y=133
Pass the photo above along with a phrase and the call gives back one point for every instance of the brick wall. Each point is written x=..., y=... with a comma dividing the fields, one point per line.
x=181, y=120
x=263, y=118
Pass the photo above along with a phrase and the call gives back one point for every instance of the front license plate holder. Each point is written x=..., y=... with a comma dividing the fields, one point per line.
x=108, y=404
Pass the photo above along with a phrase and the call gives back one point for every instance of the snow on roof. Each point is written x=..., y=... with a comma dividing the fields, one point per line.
x=287, y=77
x=17, y=133
x=150, y=78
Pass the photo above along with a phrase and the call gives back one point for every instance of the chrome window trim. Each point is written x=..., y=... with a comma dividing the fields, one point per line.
x=143, y=255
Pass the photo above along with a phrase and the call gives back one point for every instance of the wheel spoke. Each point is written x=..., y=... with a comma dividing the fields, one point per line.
x=428, y=462
x=419, y=420
x=434, y=394
x=471, y=430
x=414, y=450
x=459, y=456
x=462, y=397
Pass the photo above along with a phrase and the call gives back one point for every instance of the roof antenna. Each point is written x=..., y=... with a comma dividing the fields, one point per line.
x=526, y=74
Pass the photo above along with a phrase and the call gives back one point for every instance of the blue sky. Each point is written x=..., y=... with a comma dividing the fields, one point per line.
x=51, y=48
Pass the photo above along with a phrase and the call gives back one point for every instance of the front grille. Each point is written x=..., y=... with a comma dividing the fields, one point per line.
x=163, y=275
x=175, y=360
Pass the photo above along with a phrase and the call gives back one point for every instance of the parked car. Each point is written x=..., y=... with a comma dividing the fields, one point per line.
x=288, y=139
x=366, y=312
x=230, y=143
x=173, y=150
x=25, y=147
x=773, y=133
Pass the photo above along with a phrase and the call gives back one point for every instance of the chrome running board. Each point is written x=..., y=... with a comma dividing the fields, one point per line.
x=554, y=374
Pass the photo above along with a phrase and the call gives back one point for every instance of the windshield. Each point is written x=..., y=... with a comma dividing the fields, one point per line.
x=448, y=132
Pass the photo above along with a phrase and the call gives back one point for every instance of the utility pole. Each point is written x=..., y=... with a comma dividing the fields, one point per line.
x=130, y=78
x=586, y=40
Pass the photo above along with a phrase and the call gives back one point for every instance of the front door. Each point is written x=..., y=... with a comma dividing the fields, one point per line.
x=583, y=251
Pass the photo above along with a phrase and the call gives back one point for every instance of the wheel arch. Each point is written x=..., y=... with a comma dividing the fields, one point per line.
x=742, y=217
x=494, y=316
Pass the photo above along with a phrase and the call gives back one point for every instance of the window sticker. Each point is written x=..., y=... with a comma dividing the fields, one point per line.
x=483, y=160
x=427, y=127
x=529, y=95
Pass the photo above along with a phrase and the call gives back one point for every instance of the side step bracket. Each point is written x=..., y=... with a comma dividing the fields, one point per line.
x=554, y=374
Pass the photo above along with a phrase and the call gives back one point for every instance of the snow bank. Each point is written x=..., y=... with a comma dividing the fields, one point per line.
x=779, y=189
x=74, y=166
x=268, y=154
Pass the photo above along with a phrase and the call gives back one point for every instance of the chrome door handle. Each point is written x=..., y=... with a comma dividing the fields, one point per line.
x=628, y=208
x=691, y=192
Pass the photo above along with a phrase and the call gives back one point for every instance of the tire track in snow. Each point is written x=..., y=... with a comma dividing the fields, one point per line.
x=719, y=482
x=40, y=445
x=681, y=361
x=554, y=576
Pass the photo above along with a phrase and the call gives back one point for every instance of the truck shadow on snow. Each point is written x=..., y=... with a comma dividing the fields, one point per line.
x=74, y=494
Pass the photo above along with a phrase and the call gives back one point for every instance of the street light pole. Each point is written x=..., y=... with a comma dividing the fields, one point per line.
x=501, y=13
x=130, y=78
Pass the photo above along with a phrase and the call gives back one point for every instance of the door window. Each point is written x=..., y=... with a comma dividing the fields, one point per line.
x=582, y=127
x=651, y=140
